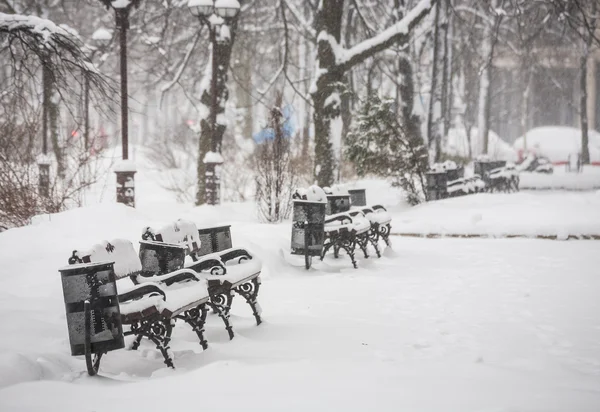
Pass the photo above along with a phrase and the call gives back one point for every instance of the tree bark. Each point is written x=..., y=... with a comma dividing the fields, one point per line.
x=432, y=132
x=209, y=139
x=585, y=151
x=329, y=83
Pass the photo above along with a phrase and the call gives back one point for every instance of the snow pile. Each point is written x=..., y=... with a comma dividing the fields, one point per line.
x=496, y=215
x=558, y=143
x=588, y=179
x=457, y=144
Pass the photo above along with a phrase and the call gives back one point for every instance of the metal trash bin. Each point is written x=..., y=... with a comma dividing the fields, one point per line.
x=159, y=258
x=94, y=283
x=337, y=204
x=437, y=185
x=308, y=229
x=358, y=197
x=214, y=239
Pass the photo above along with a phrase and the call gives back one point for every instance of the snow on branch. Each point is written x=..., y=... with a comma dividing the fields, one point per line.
x=350, y=57
x=58, y=48
x=45, y=29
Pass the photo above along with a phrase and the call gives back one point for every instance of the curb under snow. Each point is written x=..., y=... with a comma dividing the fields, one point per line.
x=496, y=236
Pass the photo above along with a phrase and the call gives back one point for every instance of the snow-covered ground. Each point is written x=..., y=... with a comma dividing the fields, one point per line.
x=531, y=214
x=588, y=179
x=434, y=325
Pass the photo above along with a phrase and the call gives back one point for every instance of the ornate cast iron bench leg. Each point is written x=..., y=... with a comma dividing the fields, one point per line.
x=196, y=318
x=363, y=241
x=348, y=242
x=159, y=332
x=136, y=343
x=374, y=238
x=384, y=232
x=329, y=243
x=249, y=290
x=221, y=297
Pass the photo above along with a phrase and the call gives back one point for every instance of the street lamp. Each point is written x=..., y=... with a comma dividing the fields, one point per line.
x=43, y=160
x=214, y=14
x=126, y=170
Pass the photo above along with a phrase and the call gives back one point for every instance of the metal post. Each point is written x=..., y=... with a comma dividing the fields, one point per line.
x=43, y=164
x=123, y=25
x=125, y=176
x=212, y=172
x=86, y=119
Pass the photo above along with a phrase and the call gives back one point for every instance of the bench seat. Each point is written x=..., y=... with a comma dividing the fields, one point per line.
x=151, y=305
x=229, y=270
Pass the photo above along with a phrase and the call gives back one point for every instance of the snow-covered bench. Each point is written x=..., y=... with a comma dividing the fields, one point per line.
x=236, y=268
x=345, y=228
x=150, y=307
x=377, y=215
x=381, y=225
x=505, y=179
x=343, y=231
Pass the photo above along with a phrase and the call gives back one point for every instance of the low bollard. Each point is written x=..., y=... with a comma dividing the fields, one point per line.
x=92, y=308
x=308, y=229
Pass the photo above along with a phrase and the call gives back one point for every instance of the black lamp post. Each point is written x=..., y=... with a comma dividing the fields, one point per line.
x=125, y=171
x=214, y=14
x=43, y=160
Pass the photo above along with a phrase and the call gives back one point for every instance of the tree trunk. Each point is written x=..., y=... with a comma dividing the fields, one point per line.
x=483, y=125
x=329, y=83
x=326, y=96
x=327, y=115
x=447, y=87
x=210, y=140
x=432, y=129
x=585, y=151
x=525, y=110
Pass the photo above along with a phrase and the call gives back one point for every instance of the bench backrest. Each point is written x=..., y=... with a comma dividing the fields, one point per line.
x=119, y=251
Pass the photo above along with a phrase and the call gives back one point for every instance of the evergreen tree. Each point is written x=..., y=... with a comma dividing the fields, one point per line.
x=378, y=144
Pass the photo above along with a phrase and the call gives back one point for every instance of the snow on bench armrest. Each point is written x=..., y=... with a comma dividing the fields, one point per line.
x=170, y=277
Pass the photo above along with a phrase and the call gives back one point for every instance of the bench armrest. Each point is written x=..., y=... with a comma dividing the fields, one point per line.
x=342, y=218
x=204, y=263
x=235, y=254
x=178, y=276
x=140, y=291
